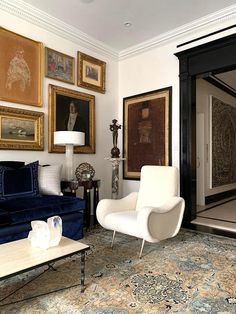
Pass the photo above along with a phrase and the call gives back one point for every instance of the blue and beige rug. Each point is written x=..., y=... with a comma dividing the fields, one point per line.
x=191, y=273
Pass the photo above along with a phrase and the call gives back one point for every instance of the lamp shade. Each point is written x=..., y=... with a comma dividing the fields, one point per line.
x=69, y=137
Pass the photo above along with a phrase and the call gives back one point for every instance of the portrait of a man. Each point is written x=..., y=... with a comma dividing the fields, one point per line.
x=72, y=115
x=70, y=110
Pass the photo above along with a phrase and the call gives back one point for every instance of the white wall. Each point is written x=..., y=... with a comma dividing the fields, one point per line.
x=155, y=69
x=203, y=92
x=105, y=104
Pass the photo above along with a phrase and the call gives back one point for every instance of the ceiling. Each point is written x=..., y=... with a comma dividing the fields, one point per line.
x=104, y=19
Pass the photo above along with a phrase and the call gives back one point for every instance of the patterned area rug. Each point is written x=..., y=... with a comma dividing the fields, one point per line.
x=191, y=273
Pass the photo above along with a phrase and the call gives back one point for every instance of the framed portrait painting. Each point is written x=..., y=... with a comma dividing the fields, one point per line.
x=59, y=66
x=20, y=64
x=21, y=129
x=91, y=73
x=147, y=131
x=70, y=110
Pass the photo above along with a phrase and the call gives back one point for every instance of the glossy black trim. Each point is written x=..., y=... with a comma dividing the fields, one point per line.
x=219, y=196
x=218, y=55
x=218, y=219
x=205, y=36
x=221, y=85
x=207, y=229
x=216, y=205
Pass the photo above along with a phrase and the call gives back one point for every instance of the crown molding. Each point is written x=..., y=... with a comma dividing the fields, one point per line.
x=208, y=20
x=37, y=17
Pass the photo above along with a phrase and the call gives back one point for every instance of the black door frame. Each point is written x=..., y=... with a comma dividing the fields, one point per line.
x=218, y=55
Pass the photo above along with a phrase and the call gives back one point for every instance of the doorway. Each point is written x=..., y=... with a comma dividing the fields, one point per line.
x=216, y=150
x=192, y=63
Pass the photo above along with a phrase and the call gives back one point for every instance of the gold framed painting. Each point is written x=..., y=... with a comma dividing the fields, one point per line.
x=70, y=110
x=147, y=131
x=59, y=66
x=21, y=129
x=91, y=73
x=20, y=64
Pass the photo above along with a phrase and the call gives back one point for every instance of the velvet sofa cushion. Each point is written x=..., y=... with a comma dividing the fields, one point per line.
x=35, y=208
x=20, y=182
x=4, y=217
x=12, y=164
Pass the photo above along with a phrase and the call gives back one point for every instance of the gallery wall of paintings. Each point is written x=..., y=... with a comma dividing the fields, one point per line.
x=22, y=80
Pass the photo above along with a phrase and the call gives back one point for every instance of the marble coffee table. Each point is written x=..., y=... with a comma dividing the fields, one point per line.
x=19, y=256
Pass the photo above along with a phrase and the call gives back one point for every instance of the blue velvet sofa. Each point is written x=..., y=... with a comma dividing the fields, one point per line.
x=18, y=210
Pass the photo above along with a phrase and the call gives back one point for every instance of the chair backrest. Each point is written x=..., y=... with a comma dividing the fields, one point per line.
x=157, y=185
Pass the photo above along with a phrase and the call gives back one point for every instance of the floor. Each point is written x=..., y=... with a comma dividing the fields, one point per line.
x=220, y=215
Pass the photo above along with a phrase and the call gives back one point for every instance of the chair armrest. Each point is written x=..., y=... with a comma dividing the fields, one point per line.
x=161, y=222
x=108, y=206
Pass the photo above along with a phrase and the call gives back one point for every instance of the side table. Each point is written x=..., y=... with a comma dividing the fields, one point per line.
x=88, y=186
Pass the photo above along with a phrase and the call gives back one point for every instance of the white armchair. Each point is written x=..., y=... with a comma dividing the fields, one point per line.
x=153, y=214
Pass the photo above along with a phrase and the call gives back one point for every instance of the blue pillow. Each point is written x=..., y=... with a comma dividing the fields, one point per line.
x=21, y=182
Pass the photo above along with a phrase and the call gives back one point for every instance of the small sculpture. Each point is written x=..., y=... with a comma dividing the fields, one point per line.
x=46, y=234
x=115, y=152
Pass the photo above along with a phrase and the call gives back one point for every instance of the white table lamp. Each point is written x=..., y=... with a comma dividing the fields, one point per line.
x=69, y=139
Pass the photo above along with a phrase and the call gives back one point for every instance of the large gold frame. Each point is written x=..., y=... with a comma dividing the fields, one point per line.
x=53, y=91
x=97, y=85
x=20, y=141
x=21, y=69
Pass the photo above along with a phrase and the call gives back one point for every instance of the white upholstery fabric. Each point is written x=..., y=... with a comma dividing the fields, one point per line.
x=154, y=213
x=157, y=185
x=49, y=179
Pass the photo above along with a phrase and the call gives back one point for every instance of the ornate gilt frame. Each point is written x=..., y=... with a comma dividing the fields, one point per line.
x=63, y=56
x=68, y=94
x=18, y=140
x=85, y=62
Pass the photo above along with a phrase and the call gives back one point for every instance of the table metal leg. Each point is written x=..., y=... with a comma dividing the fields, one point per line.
x=82, y=271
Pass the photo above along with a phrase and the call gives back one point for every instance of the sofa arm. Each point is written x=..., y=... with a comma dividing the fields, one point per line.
x=108, y=206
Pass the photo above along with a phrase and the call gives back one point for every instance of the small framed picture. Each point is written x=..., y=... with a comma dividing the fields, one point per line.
x=147, y=131
x=91, y=73
x=20, y=64
x=21, y=129
x=59, y=66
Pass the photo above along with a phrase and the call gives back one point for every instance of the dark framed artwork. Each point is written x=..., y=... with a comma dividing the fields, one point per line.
x=222, y=139
x=21, y=129
x=20, y=64
x=59, y=66
x=91, y=73
x=147, y=131
x=70, y=110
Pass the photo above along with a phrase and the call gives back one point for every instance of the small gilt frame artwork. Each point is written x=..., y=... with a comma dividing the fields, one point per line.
x=59, y=66
x=91, y=73
x=20, y=64
x=147, y=131
x=70, y=110
x=21, y=129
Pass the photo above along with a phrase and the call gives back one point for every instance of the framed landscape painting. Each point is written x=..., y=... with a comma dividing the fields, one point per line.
x=59, y=66
x=91, y=73
x=20, y=64
x=147, y=131
x=21, y=129
x=70, y=110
